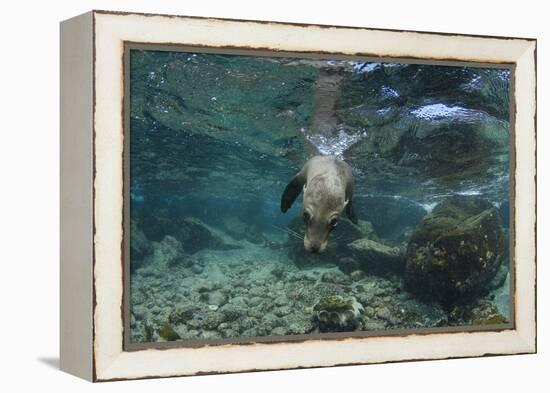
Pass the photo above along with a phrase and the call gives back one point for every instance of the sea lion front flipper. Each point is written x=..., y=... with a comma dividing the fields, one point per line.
x=291, y=192
x=350, y=212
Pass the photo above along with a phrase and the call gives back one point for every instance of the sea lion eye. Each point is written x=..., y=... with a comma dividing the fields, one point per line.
x=307, y=216
x=332, y=223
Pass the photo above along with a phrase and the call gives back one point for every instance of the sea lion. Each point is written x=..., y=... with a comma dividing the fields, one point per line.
x=328, y=187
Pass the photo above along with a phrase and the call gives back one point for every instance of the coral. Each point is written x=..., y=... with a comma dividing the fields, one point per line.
x=337, y=313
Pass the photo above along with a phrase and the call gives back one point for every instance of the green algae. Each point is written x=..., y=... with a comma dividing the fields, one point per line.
x=167, y=332
x=334, y=303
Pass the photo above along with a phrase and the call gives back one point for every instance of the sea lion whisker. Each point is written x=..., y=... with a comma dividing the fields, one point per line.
x=279, y=228
x=295, y=236
x=289, y=232
x=296, y=233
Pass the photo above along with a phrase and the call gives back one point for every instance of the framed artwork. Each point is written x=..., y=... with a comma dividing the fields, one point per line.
x=245, y=195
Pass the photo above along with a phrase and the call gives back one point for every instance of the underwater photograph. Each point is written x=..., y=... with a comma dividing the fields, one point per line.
x=274, y=196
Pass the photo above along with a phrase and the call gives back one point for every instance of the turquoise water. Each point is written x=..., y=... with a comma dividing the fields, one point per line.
x=214, y=140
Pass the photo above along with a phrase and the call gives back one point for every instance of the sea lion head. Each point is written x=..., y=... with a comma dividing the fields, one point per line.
x=324, y=200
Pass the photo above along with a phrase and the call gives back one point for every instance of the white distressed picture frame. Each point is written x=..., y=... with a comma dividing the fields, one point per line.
x=92, y=181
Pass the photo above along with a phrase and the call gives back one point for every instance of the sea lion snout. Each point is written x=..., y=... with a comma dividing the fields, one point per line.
x=316, y=235
x=316, y=246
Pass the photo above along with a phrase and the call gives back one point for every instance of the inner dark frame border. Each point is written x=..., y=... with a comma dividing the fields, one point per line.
x=128, y=345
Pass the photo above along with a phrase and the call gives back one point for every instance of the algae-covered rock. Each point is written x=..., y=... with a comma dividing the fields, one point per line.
x=212, y=319
x=196, y=235
x=480, y=312
x=455, y=251
x=336, y=313
x=376, y=257
x=167, y=333
x=182, y=313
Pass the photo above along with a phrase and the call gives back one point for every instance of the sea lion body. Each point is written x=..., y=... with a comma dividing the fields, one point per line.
x=327, y=183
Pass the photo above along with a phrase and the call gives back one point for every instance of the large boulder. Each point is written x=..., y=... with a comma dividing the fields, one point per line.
x=456, y=251
x=376, y=257
x=196, y=235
